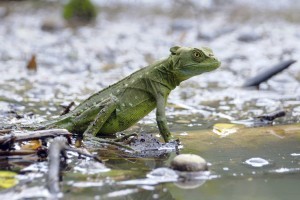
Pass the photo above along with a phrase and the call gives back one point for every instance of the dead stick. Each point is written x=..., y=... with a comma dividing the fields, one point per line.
x=81, y=152
x=17, y=152
x=57, y=146
x=67, y=108
x=19, y=136
x=5, y=131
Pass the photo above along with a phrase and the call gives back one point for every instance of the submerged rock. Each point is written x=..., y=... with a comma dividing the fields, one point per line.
x=189, y=162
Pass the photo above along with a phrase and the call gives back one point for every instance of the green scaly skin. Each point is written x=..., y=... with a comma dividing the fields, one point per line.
x=122, y=104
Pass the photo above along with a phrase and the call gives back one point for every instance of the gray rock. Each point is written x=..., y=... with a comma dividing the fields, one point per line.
x=3, y=12
x=181, y=25
x=189, y=162
x=249, y=37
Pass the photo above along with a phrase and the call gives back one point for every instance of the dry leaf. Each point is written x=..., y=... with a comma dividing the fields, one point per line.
x=32, y=145
x=31, y=65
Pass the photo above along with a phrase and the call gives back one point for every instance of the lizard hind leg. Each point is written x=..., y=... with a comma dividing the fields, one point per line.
x=107, y=109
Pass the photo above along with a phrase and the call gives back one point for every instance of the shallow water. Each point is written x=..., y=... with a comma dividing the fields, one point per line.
x=74, y=63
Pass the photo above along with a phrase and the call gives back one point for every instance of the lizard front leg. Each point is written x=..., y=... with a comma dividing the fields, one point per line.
x=161, y=118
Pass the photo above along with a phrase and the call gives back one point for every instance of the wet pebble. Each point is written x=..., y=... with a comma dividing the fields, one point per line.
x=189, y=162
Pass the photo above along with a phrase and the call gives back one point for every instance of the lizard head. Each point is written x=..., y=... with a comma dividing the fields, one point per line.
x=189, y=62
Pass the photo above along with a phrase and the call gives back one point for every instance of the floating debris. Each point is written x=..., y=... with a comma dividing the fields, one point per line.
x=257, y=162
x=286, y=170
x=295, y=154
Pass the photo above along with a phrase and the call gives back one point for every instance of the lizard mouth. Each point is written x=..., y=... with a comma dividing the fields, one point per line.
x=215, y=65
x=205, y=66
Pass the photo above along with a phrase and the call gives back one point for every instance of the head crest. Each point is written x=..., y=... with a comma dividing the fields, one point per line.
x=174, y=49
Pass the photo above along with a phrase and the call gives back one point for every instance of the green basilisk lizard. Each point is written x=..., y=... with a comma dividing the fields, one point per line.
x=122, y=104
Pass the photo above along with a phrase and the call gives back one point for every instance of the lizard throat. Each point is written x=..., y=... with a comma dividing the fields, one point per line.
x=170, y=77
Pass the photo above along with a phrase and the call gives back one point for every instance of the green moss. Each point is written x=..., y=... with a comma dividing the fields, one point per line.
x=82, y=10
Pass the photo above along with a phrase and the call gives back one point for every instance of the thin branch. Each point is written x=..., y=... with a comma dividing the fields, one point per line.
x=5, y=131
x=84, y=153
x=19, y=136
x=56, y=148
x=67, y=108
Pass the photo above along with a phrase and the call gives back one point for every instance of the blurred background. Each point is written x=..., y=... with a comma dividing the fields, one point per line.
x=53, y=52
x=77, y=53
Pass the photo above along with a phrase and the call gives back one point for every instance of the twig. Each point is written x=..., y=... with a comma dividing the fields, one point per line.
x=81, y=152
x=67, y=108
x=17, y=152
x=5, y=131
x=19, y=136
x=56, y=149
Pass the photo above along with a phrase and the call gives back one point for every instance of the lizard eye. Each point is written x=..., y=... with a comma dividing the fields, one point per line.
x=197, y=55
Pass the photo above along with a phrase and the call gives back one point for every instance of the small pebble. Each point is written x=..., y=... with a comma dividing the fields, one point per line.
x=189, y=162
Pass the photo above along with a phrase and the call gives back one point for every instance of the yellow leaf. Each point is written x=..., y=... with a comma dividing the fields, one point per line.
x=32, y=145
x=7, y=179
x=224, y=129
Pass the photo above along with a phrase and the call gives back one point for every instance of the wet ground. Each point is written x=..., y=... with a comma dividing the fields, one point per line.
x=76, y=62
